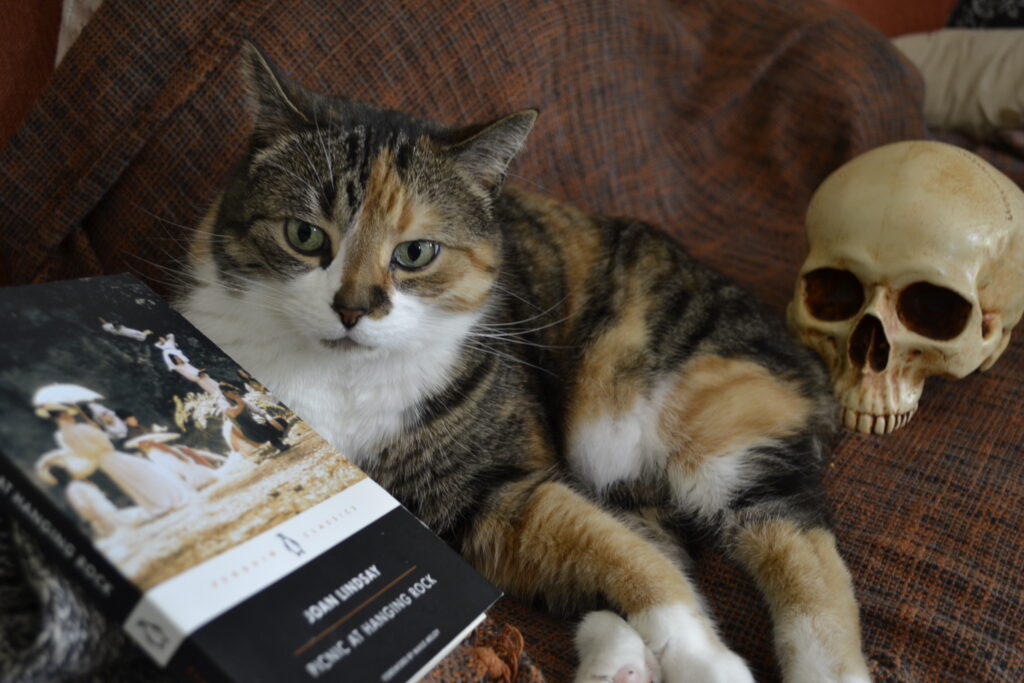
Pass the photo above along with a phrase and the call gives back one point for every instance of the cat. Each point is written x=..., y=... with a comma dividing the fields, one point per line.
x=563, y=398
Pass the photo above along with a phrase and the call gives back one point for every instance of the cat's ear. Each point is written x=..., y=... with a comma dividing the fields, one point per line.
x=485, y=155
x=276, y=102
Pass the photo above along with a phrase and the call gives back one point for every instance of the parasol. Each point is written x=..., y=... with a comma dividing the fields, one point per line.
x=63, y=393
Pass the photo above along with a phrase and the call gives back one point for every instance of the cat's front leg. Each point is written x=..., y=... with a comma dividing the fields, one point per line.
x=544, y=539
x=810, y=595
x=672, y=643
x=687, y=647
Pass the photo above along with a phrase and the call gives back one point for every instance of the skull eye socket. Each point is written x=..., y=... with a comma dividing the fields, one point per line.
x=832, y=294
x=932, y=311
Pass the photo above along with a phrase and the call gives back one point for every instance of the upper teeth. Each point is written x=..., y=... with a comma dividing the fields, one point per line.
x=869, y=423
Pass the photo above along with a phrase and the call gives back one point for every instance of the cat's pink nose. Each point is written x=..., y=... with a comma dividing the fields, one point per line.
x=350, y=316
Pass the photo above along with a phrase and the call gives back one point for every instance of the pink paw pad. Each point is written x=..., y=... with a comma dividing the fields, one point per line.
x=631, y=674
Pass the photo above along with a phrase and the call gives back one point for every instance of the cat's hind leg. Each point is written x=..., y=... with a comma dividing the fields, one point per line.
x=749, y=460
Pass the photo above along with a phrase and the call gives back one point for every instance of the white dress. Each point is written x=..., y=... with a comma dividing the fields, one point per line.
x=153, y=487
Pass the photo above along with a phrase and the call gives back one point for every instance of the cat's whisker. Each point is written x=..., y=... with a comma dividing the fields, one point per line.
x=327, y=156
x=508, y=332
x=166, y=236
x=527, y=180
x=483, y=348
x=167, y=221
x=186, y=277
x=287, y=171
x=178, y=276
x=265, y=305
x=214, y=239
x=186, y=233
x=168, y=277
x=272, y=305
x=175, y=260
x=174, y=268
x=512, y=338
x=506, y=290
x=315, y=170
x=165, y=241
x=534, y=317
x=502, y=328
x=175, y=280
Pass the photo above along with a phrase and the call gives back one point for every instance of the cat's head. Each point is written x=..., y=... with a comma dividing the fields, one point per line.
x=358, y=227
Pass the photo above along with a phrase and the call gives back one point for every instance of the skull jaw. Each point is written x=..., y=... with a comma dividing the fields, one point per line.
x=877, y=403
x=868, y=423
x=871, y=402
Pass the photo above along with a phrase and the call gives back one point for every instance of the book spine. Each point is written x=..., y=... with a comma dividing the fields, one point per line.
x=76, y=557
x=65, y=544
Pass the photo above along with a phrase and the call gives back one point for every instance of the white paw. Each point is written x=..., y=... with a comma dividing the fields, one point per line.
x=687, y=647
x=681, y=662
x=612, y=652
x=819, y=656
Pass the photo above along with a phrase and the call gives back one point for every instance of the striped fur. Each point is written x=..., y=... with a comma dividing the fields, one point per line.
x=564, y=398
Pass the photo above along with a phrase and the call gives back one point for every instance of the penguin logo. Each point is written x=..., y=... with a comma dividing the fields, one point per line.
x=291, y=545
x=153, y=634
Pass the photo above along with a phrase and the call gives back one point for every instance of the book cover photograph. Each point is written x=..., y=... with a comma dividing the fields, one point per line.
x=199, y=510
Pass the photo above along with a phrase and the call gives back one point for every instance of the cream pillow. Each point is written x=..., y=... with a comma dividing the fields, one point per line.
x=974, y=78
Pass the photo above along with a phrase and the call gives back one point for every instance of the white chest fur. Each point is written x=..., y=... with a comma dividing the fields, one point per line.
x=357, y=399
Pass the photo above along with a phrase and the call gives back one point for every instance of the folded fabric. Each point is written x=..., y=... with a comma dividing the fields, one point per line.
x=973, y=77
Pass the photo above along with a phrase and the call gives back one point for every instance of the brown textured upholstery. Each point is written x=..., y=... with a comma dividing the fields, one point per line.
x=714, y=119
x=29, y=31
x=906, y=16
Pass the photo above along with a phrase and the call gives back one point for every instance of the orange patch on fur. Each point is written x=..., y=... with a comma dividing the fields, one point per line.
x=602, y=387
x=571, y=230
x=385, y=191
x=415, y=219
x=551, y=541
x=723, y=405
x=389, y=210
x=471, y=273
x=365, y=264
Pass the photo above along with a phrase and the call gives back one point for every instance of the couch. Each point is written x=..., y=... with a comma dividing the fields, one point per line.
x=714, y=119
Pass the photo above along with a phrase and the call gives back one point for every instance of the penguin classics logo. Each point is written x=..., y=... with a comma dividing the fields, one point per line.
x=153, y=634
x=291, y=545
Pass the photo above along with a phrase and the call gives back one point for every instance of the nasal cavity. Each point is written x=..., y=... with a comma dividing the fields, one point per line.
x=350, y=316
x=868, y=345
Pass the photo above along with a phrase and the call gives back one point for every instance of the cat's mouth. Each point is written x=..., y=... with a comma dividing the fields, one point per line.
x=343, y=343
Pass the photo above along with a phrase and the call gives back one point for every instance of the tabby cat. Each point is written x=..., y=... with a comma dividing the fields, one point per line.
x=564, y=398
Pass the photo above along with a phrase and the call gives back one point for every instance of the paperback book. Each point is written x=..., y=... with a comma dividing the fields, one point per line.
x=227, y=537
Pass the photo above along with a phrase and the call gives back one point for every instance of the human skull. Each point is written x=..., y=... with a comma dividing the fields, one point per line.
x=915, y=268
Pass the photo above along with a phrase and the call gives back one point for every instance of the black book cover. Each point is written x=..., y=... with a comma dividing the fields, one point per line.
x=230, y=540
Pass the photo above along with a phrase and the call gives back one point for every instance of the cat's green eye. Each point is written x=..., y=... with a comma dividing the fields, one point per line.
x=304, y=237
x=415, y=255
